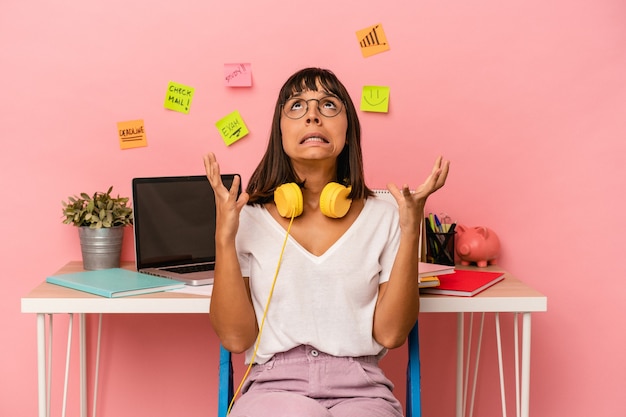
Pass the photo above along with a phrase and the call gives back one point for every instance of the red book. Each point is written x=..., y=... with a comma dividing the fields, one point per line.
x=464, y=283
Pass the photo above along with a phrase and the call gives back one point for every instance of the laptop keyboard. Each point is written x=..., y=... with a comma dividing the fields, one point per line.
x=190, y=268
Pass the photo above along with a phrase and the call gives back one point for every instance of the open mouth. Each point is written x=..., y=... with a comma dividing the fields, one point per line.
x=314, y=138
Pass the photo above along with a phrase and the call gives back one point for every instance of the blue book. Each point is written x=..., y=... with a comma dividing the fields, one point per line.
x=114, y=282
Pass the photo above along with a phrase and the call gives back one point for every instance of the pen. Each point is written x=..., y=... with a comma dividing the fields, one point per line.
x=445, y=222
x=450, y=235
x=430, y=240
x=438, y=224
x=432, y=222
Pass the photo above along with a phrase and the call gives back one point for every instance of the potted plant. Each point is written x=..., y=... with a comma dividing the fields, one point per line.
x=100, y=219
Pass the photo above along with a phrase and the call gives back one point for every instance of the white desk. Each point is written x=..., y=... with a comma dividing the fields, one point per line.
x=510, y=295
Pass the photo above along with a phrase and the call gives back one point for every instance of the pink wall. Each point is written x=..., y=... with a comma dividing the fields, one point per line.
x=527, y=98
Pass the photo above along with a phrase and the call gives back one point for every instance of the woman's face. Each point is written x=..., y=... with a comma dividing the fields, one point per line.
x=313, y=126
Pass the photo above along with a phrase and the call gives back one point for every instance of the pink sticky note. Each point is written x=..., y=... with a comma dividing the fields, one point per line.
x=238, y=75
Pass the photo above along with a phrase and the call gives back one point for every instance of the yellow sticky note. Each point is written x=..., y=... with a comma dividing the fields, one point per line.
x=132, y=134
x=232, y=128
x=372, y=40
x=375, y=99
x=178, y=97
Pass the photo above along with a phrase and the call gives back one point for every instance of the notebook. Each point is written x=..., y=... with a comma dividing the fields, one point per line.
x=431, y=270
x=114, y=282
x=174, y=224
x=465, y=283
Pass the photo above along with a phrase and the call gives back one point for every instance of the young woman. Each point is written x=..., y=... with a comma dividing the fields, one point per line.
x=343, y=290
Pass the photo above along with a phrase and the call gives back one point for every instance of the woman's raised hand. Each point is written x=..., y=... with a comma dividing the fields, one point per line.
x=411, y=205
x=228, y=205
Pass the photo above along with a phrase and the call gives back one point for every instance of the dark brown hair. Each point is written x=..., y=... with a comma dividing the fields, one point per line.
x=275, y=168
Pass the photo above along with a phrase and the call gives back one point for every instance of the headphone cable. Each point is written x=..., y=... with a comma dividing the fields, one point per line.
x=267, y=304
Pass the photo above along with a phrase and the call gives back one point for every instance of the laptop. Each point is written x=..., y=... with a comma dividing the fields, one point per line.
x=174, y=225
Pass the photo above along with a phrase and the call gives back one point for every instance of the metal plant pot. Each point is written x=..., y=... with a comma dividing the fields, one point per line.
x=101, y=248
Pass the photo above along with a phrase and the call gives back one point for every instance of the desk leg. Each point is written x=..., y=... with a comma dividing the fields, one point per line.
x=42, y=384
x=41, y=364
x=83, y=364
x=525, y=364
x=459, y=364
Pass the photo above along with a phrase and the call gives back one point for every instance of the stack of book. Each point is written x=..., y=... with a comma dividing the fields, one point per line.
x=464, y=283
x=428, y=273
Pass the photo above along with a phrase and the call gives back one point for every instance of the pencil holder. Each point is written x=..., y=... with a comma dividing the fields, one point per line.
x=440, y=247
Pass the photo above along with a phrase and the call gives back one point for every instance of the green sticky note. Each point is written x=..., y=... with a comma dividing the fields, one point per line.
x=178, y=97
x=375, y=99
x=232, y=128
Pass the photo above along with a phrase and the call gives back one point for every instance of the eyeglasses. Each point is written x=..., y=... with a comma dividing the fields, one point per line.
x=328, y=106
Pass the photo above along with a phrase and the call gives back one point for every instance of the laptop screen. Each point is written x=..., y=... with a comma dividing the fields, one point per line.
x=174, y=220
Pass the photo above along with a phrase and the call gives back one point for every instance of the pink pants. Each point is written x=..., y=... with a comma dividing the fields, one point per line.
x=305, y=382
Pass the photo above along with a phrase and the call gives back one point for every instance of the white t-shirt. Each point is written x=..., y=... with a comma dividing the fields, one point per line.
x=324, y=301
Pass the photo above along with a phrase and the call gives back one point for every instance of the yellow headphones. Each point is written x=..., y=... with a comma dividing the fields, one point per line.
x=334, y=201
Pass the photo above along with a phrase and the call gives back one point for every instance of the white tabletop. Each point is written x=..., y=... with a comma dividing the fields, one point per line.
x=509, y=295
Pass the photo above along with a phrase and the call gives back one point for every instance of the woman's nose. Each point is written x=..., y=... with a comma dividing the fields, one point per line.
x=312, y=113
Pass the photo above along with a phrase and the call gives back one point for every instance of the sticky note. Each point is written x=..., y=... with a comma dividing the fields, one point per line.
x=178, y=97
x=372, y=40
x=132, y=134
x=238, y=75
x=232, y=128
x=375, y=99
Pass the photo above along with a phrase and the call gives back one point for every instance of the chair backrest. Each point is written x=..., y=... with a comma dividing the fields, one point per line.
x=413, y=379
x=413, y=376
x=225, y=388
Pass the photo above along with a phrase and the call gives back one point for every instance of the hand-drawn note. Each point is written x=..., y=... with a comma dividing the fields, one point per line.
x=232, y=128
x=178, y=97
x=372, y=40
x=238, y=75
x=132, y=134
x=375, y=99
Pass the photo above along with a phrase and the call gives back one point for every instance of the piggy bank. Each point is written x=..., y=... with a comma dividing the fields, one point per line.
x=477, y=244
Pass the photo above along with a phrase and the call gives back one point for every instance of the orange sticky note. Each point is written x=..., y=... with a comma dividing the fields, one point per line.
x=132, y=134
x=372, y=40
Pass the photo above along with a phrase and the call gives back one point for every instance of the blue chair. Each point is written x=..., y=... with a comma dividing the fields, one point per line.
x=413, y=376
x=225, y=388
x=413, y=397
